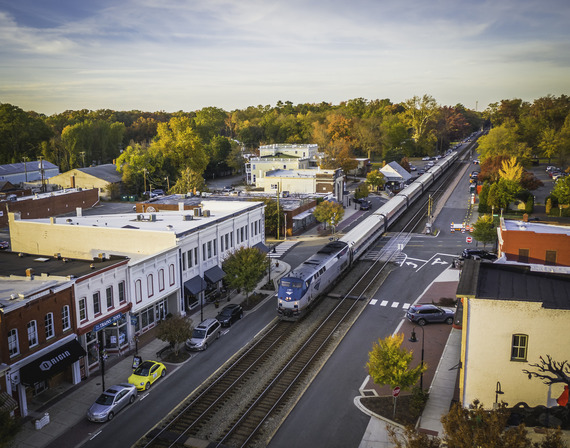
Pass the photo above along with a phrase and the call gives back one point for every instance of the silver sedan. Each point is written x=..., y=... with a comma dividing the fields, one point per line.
x=112, y=401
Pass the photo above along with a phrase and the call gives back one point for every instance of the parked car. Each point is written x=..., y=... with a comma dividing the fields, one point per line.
x=478, y=254
x=4, y=245
x=413, y=168
x=228, y=188
x=422, y=314
x=156, y=192
x=230, y=314
x=146, y=374
x=204, y=334
x=365, y=205
x=112, y=401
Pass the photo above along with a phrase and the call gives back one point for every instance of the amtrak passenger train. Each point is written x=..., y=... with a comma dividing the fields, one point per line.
x=301, y=287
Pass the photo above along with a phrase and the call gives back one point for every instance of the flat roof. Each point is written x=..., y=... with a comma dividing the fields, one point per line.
x=535, y=227
x=180, y=222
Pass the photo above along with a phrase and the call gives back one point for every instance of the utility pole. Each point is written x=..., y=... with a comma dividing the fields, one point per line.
x=144, y=175
x=278, y=194
x=82, y=154
x=26, y=167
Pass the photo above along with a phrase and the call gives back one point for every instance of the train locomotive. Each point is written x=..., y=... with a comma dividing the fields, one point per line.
x=300, y=288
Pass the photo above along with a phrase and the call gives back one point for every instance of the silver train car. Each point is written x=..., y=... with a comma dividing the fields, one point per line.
x=298, y=290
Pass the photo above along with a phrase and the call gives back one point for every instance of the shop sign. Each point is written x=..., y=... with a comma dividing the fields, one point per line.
x=107, y=322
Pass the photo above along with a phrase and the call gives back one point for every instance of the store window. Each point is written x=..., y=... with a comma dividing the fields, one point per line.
x=65, y=321
x=115, y=335
x=32, y=333
x=48, y=321
x=13, y=345
x=92, y=348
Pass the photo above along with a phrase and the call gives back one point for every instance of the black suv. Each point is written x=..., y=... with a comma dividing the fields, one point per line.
x=477, y=254
x=229, y=314
x=364, y=205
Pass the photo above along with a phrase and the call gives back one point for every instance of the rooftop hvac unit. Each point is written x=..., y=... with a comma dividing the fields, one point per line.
x=187, y=217
x=206, y=213
x=197, y=211
x=140, y=218
x=152, y=218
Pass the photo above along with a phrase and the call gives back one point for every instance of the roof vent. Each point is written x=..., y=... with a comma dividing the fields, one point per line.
x=206, y=213
x=198, y=211
x=187, y=217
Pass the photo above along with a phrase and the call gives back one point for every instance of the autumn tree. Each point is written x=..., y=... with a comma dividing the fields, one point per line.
x=175, y=330
x=244, y=269
x=189, y=181
x=474, y=426
x=561, y=190
x=485, y=230
x=329, y=212
x=421, y=116
x=361, y=192
x=504, y=141
x=389, y=363
x=511, y=170
x=375, y=179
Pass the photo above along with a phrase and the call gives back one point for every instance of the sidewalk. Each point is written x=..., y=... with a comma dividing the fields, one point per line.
x=70, y=407
x=67, y=405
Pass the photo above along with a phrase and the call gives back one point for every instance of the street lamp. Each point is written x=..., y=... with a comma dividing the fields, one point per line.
x=414, y=339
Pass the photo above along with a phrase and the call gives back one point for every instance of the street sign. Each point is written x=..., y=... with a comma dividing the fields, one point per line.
x=469, y=239
x=396, y=391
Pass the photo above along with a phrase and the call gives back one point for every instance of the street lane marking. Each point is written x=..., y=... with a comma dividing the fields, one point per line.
x=395, y=304
x=373, y=302
x=96, y=434
x=384, y=303
x=406, y=306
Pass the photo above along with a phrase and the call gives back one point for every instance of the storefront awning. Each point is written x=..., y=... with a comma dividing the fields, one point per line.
x=51, y=363
x=195, y=285
x=261, y=247
x=214, y=275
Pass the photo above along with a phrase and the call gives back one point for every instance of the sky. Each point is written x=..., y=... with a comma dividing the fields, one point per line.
x=172, y=55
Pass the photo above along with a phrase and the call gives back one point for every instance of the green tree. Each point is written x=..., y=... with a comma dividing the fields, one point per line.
x=485, y=230
x=484, y=199
x=361, y=191
x=9, y=427
x=561, y=190
x=504, y=140
x=375, y=179
x=272, y=217
x=189, y=181
x=329, y=212
x=175, y=330
x=502, y=193
x=244, y=268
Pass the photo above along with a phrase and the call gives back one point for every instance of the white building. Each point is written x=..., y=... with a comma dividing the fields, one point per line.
x=280, y=157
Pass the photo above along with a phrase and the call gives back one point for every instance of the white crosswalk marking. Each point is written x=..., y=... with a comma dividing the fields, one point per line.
x=384, y=303
x=373, y=302
x=280, y=249
x=395, y=304
x=404, y=306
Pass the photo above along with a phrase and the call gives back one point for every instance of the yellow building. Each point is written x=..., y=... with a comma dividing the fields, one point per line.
x=511, y=317
x=105, y=178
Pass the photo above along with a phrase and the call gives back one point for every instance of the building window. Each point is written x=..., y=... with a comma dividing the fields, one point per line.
x=138, y=291
x=550, y=258
x=13, y=346
x=50, y=333
x=227, y=241
x=222, y=243
x=204, y=251
x=65, y=318
x=109, y=293
x=161, y=280
x=209, y=250
x=184, y=262
x=519, y=347
x=82, y=309
x=96, y=303
x=523, y=255
x=32, y=333
x=122, y=297
x=150, y=285
x=171, y=277
x=189, y=256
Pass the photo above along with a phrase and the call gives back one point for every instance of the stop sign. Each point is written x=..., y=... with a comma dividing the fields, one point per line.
x=396, y=391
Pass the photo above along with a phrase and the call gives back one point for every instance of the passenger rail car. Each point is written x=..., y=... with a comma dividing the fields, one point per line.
x=298, y=290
